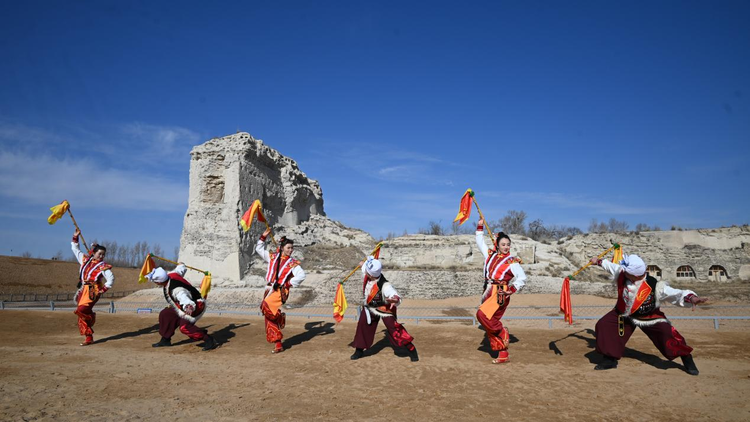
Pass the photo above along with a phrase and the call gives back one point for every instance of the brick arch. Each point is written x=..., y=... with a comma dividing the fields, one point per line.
x=685, y=271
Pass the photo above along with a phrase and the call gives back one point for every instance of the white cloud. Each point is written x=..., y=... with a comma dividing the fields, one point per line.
x=47, y=180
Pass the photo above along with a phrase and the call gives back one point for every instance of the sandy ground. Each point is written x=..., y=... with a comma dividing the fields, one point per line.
x=45, y=375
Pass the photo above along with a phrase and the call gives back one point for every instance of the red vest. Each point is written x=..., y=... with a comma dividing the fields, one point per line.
x=91, y=269
x=284, y=273
x=497, y=267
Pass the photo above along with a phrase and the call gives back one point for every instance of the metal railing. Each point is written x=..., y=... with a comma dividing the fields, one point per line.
x=738, y=315
x=59, y=297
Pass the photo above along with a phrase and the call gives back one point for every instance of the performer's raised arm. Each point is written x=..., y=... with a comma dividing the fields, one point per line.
x=74, y=246
x=480, y=238
x=260, y=247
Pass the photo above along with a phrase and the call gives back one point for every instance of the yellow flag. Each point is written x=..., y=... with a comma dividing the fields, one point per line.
x=617, y=255
x=148, y=266
x=58, y=211
x=339, y=304
x=205, y=285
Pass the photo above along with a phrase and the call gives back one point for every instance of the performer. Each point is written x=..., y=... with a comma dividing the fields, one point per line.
x=638, y=299
x=94, y=279
x=503, y=276
x=380, y=300
x=284, y=272
x=186, y=307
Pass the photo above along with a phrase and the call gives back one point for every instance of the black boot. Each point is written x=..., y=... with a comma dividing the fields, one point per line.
x=164, y=342
x=209, y=343
x=690, y=367
x=357, y=354
x=413, y=355
x=606, y=363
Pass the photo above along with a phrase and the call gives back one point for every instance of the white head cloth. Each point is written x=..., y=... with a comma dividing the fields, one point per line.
x=633, y=265
x=157, y=275
x=373, y=266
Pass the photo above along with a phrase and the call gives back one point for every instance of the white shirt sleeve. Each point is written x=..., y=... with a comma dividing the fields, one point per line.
x=389, y=291
x=519, y=277
x=613, y=268
x=180, y=269
x=109, y=277
x=77, y=252
x=674, y=296
x=182, y=296
x=298, y=276
x=481, y=245
x=260, y=247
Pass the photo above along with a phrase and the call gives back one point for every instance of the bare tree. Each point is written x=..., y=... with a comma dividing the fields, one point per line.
x=537, y=230
x=641, y=227
x=514, y=222
x=26, y=254
x=616, y=226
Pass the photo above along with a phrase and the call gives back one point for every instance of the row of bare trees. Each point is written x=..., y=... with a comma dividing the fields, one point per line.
x=514, y=222
x=120, y=255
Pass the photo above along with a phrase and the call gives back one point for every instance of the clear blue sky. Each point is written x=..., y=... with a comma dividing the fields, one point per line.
x=567, y=110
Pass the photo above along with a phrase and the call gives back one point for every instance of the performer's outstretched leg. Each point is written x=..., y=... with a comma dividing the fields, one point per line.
x=365, y=335
x=399, y=337
x=671, y=344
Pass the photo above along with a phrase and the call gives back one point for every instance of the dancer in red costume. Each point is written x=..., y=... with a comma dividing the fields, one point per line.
x=503, y=276
x=94, y=278
x=639, y=297
x=284, y=272
x=186, y=307
x=380, y=301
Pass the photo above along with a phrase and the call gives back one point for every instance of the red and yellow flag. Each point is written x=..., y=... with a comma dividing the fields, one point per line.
x=205, y=285
x=339, y=303
x=58, y=211
x=148, y=266
x=247, y=218
x=565, y=306
x=465, y=209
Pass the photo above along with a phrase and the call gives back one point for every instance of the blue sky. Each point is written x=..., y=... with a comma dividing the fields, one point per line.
x=567, y=110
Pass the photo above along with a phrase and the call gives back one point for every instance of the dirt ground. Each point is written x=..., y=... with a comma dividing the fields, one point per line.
x=45, y=375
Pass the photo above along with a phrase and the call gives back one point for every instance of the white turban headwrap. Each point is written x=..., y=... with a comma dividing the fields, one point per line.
x=373, y=266
x=633, y=265
x=157, y=275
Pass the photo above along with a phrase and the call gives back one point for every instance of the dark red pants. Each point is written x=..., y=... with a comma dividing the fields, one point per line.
x=169, y=321
x=496, y=333
x=365, y=335
x=86, y=319
x=664, y=336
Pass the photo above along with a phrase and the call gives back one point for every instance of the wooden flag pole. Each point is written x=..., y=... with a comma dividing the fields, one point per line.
x=79, y=229
x=358, y=265
x=271, y=233
x=486, y=223
x=177, y=263
x=601, y=255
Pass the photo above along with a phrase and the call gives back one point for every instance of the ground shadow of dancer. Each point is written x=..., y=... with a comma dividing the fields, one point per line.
x=142, y=331
x=381, y=344
x=222, y=336
x=595, y=357
x=313, y=329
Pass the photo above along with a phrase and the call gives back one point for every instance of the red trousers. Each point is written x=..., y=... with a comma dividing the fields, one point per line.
x=274, y=323
x=665, y=337
x=365, y=335
x=496, y=333
x=169, y=321
x=86, y=319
